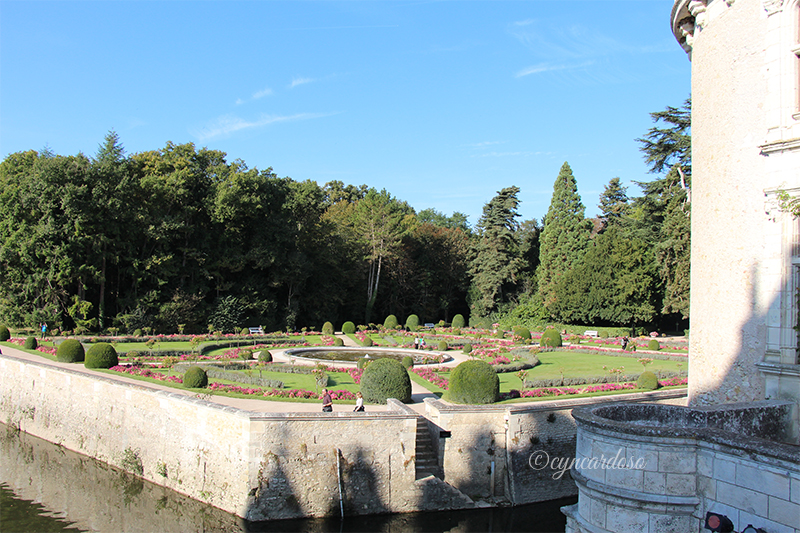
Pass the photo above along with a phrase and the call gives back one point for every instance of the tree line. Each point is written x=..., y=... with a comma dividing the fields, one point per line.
x=180, y=239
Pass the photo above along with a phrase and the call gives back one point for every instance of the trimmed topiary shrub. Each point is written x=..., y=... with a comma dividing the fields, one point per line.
x=408, y=361
x=551, y=338
x=4, y=334
x=338, y=342
x=30, y=343
x=101, y=355
x=245, y=331
x=473, y=382
x=348, y=328
x=383, y=379
x=458, y=321
x=367, y=341
x=653, y=344
x=603, y=334
x=523, y=333
x=137, y=332
x=195, y=378
x=391, y=322
x=264, y=356
x=327, y=328
x=70, y=351
x=647, y=381
x=467, y=348
x=362, y=362
x=412, y=322
x=442, y=346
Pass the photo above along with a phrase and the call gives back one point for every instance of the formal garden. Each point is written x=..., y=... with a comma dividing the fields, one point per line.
x=486, y=365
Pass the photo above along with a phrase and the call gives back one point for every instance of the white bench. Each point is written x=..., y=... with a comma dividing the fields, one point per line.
x=590, y=333
x=256, y=331
x=430, y=325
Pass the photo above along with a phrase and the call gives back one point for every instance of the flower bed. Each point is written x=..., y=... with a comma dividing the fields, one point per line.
x=44, y=349
x=431, y=377
x=135, y=370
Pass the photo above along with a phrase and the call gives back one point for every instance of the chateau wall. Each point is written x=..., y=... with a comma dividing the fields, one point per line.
x=732, y=289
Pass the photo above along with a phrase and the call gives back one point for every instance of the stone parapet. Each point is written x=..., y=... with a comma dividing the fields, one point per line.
x=659, y=468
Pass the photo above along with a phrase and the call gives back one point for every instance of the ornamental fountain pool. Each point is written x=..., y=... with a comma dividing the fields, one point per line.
x=351, y=355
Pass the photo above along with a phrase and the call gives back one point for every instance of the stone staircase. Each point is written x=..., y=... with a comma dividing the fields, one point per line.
x=427, y=460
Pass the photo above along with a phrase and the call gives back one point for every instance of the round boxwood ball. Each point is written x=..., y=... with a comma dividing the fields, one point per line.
x=522, y=332
x=458, y=321
x=474, y=382
x=70, y=351
x=391, y=322
x=348, y=328
x=647, y=381
x=384, y=379
x=338, y=342
x=195, y=378
x=367, y=341
x=265, y=356
x=653, y=345
x=408, y=361
x=101, y=355
x=4, y=334
x=467, y=348
x=551, y=338
x=442, y=346
x=30, y=343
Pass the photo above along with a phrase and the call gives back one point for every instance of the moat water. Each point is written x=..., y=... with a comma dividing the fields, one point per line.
x=47, y=488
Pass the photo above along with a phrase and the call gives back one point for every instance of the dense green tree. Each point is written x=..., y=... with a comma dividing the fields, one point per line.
x=616, y=282
x=613, y=203
x=662, y=215
x=496, y=257
x=455, y=221
x=564, y=238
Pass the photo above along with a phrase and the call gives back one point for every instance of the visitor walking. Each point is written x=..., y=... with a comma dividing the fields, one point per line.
x=359, y=403
x=624, y=343
x=327, y=401
x=44, y=330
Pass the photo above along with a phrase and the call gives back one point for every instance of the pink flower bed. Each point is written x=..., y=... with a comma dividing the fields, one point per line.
x=280, y=393
x=145, y=372
x=44, y=349
x=431, y=377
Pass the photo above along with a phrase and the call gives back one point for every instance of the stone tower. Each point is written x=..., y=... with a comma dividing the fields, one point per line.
x=745, y=151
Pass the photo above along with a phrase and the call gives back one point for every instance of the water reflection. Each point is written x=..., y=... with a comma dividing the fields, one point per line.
x=44, y=488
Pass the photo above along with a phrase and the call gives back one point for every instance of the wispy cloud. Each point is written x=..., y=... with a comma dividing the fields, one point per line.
x=300, y=81
x=485, y=143
x=266, y=91
x=262, y=93
x=545, y=67
x=229, y=124
x=509, y=154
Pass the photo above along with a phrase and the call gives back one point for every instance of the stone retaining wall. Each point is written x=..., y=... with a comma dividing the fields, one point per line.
x=274, y=466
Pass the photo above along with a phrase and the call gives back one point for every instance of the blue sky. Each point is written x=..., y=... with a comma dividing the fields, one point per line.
x=442, y=103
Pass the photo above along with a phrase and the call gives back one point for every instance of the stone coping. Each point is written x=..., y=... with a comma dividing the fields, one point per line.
x=724, y=425
x=624, y=496
x=550, y=405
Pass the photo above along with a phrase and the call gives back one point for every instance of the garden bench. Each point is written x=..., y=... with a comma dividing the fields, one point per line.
x=429, y=325
x=590, y=333
x=256, y=331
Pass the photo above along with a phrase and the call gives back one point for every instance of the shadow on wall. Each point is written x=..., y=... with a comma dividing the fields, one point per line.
x=717, y=375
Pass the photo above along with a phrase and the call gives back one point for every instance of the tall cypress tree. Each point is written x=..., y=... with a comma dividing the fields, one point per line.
x=565, y=236
x=497, y=258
